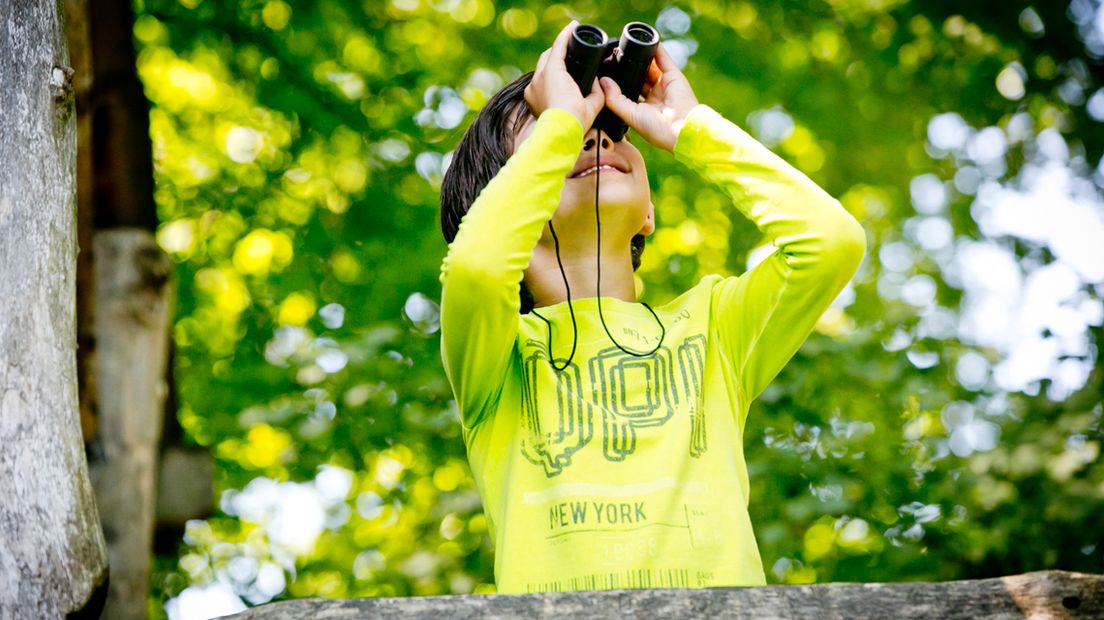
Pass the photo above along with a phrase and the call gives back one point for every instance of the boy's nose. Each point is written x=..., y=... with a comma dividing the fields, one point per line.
x=589, y=144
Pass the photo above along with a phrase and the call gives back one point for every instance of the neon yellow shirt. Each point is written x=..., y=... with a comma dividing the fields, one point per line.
x=621, y=471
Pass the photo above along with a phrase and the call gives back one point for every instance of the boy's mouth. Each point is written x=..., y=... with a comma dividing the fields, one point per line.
x=589, y=167
x=592, y=169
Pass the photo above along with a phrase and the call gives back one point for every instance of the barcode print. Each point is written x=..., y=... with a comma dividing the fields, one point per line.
x=638, y=578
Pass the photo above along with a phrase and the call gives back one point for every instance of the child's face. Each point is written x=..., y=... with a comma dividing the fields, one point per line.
x=625, y=194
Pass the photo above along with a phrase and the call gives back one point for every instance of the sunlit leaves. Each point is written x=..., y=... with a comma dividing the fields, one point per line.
x=299, y=148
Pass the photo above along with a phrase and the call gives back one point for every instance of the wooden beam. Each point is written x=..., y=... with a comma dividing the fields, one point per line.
x=1044, y=594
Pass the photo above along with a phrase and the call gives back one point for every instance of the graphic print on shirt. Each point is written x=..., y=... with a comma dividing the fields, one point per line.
x=613, y=373
x=631, y=392
x=639, y=528
x=553, y=449
x=691, y=356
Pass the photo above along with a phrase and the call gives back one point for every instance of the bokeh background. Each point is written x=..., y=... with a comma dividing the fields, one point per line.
x=944, y=421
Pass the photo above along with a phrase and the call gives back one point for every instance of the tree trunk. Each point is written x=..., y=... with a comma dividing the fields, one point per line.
x=52, y=555
x=132, y=300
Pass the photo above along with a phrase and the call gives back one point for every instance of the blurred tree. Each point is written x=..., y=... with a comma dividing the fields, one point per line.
x=123, y=294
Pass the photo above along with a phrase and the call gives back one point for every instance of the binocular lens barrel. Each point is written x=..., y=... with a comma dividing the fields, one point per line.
x=585, y=51
x=590, y=36
x=639, y=33
x=636, y=48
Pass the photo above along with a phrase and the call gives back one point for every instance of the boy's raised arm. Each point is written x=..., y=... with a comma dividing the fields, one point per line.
x=765, y=314
x=484, y=265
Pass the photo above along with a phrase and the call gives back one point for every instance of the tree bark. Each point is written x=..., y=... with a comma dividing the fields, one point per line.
x=52, y=555
x=1043, y=594
x=132, y=314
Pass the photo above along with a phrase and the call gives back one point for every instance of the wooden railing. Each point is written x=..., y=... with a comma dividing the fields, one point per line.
x=1049, y=594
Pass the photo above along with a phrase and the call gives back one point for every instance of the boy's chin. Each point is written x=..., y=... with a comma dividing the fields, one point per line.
x=621, y=194
x=614, y=214
x=618, y=204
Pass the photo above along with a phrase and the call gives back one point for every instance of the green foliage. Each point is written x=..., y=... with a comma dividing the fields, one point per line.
x=299, y=147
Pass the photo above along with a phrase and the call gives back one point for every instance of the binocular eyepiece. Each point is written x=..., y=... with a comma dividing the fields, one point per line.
x=591, y=54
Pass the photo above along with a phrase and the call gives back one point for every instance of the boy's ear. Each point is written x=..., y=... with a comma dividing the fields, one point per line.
x=649, y=222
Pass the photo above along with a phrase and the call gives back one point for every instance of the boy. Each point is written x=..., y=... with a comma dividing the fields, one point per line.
x=606, y=437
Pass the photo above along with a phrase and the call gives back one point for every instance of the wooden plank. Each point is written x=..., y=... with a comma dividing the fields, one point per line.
x=1044, y=594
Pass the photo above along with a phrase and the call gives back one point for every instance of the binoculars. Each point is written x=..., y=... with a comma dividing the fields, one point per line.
x=591, y=54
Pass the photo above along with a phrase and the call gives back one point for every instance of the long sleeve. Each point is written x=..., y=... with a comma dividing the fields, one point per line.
x=764, y=315
x=485, y=263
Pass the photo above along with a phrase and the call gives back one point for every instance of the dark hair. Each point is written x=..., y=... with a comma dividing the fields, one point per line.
x=484, y=149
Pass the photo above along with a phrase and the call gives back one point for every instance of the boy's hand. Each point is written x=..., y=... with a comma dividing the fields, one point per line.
x=668, y=98
x=553, y=87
